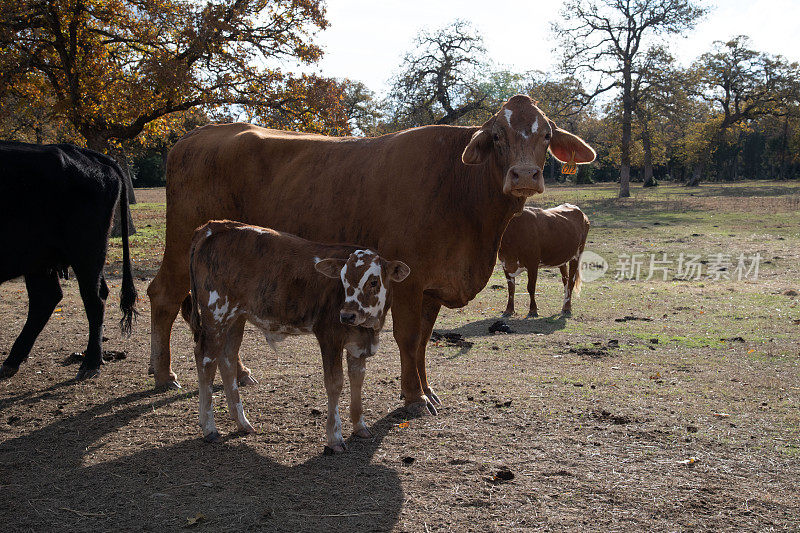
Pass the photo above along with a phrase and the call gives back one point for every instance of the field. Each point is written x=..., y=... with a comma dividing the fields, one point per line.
x=661, y=405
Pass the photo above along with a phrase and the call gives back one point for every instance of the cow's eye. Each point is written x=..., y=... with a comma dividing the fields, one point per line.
x=496, y=137
x=547, y=136
x=373, y=283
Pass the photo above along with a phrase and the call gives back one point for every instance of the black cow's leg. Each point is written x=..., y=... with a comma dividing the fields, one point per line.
x=93, y=290
x=44, y=293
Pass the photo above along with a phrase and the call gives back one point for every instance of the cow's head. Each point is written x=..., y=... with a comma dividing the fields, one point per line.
x=367, y=279
x=516, y=139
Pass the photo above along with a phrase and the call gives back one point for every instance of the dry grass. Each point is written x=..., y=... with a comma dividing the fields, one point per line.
x=593, y=431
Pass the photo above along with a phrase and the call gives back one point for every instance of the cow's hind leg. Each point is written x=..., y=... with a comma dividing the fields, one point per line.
x=356, y=369
x=511, y=288
x=569, y=285
x=44, y=293
x=93, y=291
x=228, y=368
x=533, y=275
x=166, y=292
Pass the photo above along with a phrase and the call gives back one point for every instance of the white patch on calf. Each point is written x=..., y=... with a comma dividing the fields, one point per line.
x=519, y=271
x=208, y=232
x=337, y=426
x=508, y=114
x=220, y=312
x=373, y=270
x=317, y=260
x=206, y=360
x=535, y=126
x=213, y=296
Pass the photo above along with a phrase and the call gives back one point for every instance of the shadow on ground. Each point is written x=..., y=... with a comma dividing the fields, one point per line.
x=524, y=326
x=46, y=484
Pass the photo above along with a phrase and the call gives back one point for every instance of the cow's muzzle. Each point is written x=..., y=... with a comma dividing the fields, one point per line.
x=523, y=181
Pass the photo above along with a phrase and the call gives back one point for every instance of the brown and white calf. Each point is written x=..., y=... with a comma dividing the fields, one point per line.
x=544, y=238
x=285, y=285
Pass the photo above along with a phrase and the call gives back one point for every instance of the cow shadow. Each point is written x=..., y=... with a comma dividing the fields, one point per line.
x=50, y=481
x=521, y=325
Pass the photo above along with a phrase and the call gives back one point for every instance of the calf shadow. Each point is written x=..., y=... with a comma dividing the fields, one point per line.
x=524, y=326
x=47, y=485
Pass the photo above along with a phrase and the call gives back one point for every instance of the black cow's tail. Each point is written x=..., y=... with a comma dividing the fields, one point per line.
x=128, y=294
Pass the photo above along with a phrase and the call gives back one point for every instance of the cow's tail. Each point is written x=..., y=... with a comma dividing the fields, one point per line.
x=576, y=289
x=128, y=294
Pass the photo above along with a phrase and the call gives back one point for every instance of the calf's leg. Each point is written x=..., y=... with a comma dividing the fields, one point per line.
x=205, y=357
x=356, y=369
x=228, y=369
x=334, y=378
x=44, y=293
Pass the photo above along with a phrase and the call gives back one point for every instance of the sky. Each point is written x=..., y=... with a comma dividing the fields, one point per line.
x=367, y=39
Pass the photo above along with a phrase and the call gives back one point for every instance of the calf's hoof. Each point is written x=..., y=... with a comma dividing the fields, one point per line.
x=247, y=380
x=363, y=433
x=6, y=371
x=336, y=449
x=532, y=314
x=87, y=373
x=212, y=437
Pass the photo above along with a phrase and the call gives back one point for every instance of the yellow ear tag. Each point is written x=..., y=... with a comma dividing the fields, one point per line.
x=570, y=169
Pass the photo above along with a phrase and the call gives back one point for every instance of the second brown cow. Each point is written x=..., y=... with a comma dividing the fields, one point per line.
x=544, y=238
x=284, y=285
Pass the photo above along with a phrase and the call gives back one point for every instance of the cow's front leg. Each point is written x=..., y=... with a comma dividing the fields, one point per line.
x=334, y=378
x=430, y=311
x=356, y=369
x=407, y=317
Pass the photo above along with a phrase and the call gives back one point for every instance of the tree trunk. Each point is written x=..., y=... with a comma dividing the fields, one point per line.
x=649, y=180
x=697, y=171
x=625, y=147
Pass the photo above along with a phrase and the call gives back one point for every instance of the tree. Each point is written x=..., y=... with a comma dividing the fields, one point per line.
x=743, y=85
x=441, y=80
x=608, y=40
x=110, y=67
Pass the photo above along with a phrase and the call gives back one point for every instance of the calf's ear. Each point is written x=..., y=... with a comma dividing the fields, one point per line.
x=330, y=267
x=398, y=271
x=477, y=151
x=563, y=144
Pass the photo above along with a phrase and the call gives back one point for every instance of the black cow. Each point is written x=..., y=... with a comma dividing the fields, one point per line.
x=56, y=207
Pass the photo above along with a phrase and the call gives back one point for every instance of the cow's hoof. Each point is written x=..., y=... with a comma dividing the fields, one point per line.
x=150, y=370
x=87, y=373
x=336, y=449
x=6, y=371
x=169, y=385
x=363, y=433
x=432, y=397
x=507, y=314
x=423, y=408
x=567, y=313
x=247, y=430
x=247, y=380
x=212, y=437
x=532, y=314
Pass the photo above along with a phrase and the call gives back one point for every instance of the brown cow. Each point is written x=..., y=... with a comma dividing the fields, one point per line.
x=439, y=197
x=274, y=280
x=544, y=238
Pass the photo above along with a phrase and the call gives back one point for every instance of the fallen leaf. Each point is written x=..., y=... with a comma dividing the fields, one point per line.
x=688, y=462
x=195, y=520
x=402, y=425
x=721, y=415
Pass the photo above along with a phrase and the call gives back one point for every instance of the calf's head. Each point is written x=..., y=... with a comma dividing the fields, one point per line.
x=516, y=140
x=367, y=280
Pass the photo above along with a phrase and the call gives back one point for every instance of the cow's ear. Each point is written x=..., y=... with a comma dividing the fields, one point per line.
x=477, y=151
x=330, y=267
x=563, y=145
x=398, y=271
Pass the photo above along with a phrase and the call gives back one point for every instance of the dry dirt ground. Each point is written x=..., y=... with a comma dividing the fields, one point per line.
x=682, y=416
